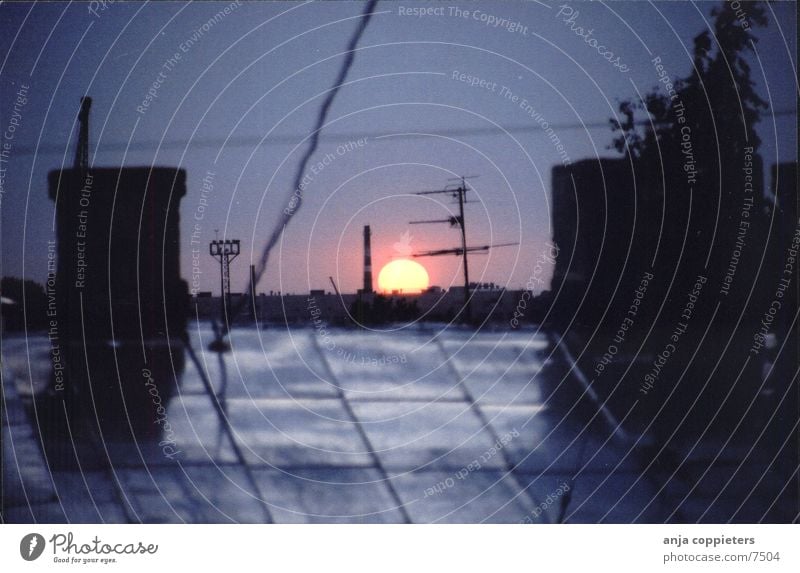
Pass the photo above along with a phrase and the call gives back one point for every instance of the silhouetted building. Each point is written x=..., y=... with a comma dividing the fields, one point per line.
x=593, y=212
x=784, y=188
x=118, y=252
x=781, y=269
x=649, y=268
x=120, y=304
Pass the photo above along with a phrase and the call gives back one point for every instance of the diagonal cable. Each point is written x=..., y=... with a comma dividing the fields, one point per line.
x=295, y=199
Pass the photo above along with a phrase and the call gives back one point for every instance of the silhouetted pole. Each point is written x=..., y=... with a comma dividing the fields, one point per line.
x=82, y=150
x=335, y=288
x=253, y=291
x=467, y=303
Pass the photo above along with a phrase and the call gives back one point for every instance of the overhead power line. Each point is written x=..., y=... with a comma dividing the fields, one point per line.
x=293, y=139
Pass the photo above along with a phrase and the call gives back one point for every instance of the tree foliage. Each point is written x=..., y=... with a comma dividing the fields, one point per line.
x=719, y=97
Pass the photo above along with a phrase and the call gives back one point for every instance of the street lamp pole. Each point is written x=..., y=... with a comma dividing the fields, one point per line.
x=224, y=251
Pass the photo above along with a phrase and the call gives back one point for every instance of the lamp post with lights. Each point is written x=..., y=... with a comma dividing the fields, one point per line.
x=224, y=251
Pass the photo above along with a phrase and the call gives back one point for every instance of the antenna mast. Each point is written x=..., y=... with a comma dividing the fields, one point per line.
x=460, y=194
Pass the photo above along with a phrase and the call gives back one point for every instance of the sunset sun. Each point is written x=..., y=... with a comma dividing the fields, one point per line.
x=404, y=276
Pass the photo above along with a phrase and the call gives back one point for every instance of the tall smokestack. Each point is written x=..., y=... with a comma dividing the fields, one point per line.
x=367, y=261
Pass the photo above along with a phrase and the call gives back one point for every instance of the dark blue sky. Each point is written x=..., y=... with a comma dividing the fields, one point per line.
x=243, y=96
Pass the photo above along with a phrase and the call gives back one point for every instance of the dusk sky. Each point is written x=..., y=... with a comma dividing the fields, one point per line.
x=245, y=92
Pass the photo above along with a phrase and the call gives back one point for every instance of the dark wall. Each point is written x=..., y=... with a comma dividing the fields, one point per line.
x=594, y=206
x=121, y=305
x=614, y=224
x=118, y=252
